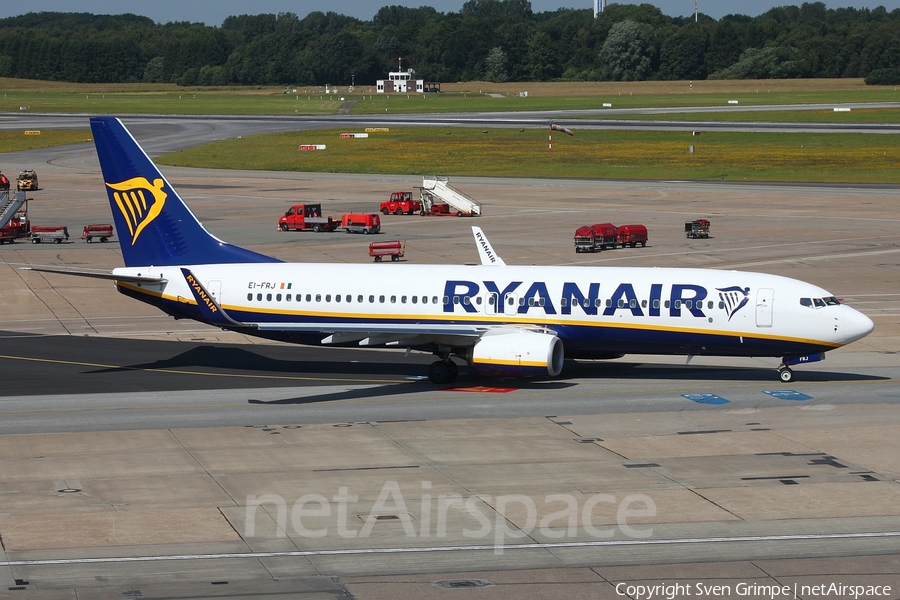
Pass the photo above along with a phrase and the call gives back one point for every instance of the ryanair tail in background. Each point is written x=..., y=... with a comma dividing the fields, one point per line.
x=154, y=225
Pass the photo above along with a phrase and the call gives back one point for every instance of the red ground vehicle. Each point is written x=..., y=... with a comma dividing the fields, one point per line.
x=104, y=231
x=307, y=216
x=17, y=227
x=631, y=235
x=361, y=223
x=599, y=236
x=379, y=250
x=400, y=203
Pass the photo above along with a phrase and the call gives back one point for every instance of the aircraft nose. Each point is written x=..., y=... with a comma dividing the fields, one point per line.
x=855, y=325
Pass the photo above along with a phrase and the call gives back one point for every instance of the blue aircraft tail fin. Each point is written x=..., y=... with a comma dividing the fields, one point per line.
x=153, y=224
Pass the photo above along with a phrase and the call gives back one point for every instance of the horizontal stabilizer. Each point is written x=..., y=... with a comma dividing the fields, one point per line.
x=98, y=275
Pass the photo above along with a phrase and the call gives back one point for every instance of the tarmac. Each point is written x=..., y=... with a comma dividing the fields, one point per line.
x=750, y=498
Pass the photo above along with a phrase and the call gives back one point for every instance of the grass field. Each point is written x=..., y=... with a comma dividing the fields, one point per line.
x=634, y=155
x=21, y=95
x=856, y=158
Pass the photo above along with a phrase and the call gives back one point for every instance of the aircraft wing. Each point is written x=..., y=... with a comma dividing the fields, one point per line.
x=371, y=334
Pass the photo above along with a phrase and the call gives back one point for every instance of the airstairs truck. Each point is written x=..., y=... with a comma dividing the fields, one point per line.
x=460, y=203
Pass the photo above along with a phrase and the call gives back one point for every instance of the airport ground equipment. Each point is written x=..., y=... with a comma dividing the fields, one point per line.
x=631, y=235
x=14, y=221
x=596, y=237
x=379, y=250
x=49, y=233
x=696, y=229
x=301, y=217
x=463, y=204
x=361, y=223
x=102, y=231
x=400, y=203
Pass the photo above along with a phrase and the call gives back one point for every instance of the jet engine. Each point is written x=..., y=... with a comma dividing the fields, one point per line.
x=517, y=354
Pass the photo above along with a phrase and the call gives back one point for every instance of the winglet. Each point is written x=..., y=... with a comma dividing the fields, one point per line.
x=485, y=250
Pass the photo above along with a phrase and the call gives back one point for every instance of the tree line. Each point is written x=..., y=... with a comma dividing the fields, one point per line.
x=495, y=40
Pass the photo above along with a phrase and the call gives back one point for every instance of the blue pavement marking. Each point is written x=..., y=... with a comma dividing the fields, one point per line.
x=706, y=398
x=787, y=395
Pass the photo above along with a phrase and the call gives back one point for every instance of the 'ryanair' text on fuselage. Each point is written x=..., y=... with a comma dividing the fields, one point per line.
x=462, y=296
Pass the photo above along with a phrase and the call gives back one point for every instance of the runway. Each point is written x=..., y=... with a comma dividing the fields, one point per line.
x=134, y=449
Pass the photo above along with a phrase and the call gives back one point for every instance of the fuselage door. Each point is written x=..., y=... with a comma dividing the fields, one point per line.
x=765, y=297
x=491, y=301
x=511, y=304
x=214, y=288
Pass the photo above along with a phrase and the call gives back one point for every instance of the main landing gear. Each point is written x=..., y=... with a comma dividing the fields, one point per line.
x=443, y=371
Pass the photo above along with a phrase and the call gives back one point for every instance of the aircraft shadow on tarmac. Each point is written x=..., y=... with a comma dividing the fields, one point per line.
x=682, y=372
x=236, y=360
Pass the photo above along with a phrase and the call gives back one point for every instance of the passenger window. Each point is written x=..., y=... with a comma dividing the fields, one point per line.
x=608, y=302
x=688, y=303
x=455, y=299
x=562, y=302
x=359, y=299
x=288, y=298
x=393, y=299
x=466, y=300
x=598, y=302
x=434, y=300
x=337, y=297
x=309, y=297
x=424, y=299
x=478, y=300
x=381, y=299
x=269, y=297
x=586, y=303
x=633, y=303
x=656, y=304
x=709, y=305
x=677, y=303
x=666, y=304
x=620, y=303
x=522, y=301
x=531, y=302
x=721, y=305
x=259, y=297
x=278, y=297
x=415, y=299
x=327, y=297
x=643, y=304
x=446, y=300
x=541, y=301
x=403, y=299
x=371, y=299
x=250, y=297
x=318, y=297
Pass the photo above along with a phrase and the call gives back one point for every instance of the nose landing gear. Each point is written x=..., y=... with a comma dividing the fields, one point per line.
x=785, y=374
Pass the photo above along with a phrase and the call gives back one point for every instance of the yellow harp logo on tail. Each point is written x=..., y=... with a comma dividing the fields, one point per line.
x=139, y=201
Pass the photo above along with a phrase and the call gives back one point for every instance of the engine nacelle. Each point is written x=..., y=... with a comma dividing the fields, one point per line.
x=517, y=354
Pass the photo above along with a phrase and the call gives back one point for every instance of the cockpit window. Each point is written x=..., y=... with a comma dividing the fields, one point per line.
x=819, y=302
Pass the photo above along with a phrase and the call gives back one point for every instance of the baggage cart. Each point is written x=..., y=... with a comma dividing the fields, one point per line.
x=104, y=231
x=49, y=233
x=379, y=250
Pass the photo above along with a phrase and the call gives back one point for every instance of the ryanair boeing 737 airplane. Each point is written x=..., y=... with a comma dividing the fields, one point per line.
x=502, y=320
